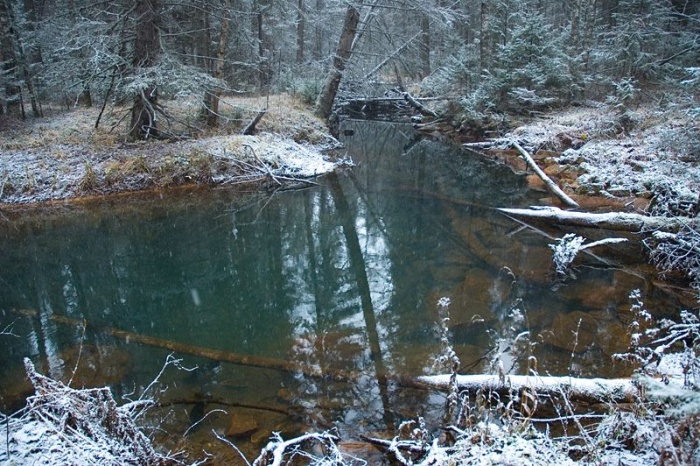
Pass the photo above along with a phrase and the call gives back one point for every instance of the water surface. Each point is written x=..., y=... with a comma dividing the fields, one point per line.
x=340, y=279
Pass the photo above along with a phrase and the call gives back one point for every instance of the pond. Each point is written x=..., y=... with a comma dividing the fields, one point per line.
x=304, y=309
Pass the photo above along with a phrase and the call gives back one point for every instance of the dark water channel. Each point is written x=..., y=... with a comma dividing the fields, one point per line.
x=342, y=279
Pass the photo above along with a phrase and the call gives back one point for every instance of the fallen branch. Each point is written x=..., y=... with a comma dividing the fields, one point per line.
x=274, y=452
x=263, y=164
x=551, y=185
x=620, y=221
x=406, y=445
x=65, y=426
x=577, y=389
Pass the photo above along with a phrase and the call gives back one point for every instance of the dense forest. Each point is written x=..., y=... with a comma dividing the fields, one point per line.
x=488, y=56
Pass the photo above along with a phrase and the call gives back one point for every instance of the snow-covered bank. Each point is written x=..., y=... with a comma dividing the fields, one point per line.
x=644, y=161
x=649, y=157
x=63, y=157
x=32, y=175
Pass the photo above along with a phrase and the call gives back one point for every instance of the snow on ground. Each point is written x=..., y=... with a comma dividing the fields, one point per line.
x=491, y=444
x=621, y=163
x=284, y=156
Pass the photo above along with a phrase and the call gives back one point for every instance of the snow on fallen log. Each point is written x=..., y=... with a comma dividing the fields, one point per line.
x=593, y=390
x=620, y=221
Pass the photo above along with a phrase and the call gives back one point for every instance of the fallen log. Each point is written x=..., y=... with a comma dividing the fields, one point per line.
x=551, y=185
x=419, y=106
x=620, y=221
x=594, y=390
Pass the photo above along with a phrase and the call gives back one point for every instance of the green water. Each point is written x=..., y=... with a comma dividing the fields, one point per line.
x=339, y=278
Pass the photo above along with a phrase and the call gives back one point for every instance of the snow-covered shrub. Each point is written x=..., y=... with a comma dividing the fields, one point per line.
x=565, y=251
x=678, y=251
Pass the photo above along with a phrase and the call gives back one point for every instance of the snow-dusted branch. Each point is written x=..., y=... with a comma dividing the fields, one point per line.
x=567, y=248
x=551, y=185
x=65, y=426
x=274, y=452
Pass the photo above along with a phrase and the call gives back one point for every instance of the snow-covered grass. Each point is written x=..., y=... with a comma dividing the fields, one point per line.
x=63, y=156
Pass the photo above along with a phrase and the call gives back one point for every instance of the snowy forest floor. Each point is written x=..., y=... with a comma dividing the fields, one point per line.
x=611, y=160
x=62, y=156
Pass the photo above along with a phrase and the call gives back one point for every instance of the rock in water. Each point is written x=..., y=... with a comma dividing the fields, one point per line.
x=241, y=425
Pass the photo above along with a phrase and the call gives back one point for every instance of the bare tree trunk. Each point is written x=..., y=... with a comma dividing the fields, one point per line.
x=425, y=45
x=301, y=25
x=146, y=52
x=264, y=46
x=318, y=33
x=324, y=105
x=483, y=36
x=215, y=94
x=18, y=56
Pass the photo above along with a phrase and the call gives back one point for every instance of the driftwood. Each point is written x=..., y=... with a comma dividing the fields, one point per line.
x=593, y=390
x=619, y=221
x=251, y=126
x=551, y=185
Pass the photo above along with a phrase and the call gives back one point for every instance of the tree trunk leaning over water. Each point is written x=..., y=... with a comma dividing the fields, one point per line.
x=324, y=104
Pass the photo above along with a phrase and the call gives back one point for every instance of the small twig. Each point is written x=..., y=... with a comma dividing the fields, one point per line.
x=80, y=352
x=229, y=443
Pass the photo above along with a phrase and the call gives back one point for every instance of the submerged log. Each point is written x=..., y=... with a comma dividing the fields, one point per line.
x=199, y=351
x=620, y=221
x=551, y=185
x=592, y=390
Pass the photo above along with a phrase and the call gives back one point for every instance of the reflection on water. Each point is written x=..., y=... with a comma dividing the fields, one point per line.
x=301, y=310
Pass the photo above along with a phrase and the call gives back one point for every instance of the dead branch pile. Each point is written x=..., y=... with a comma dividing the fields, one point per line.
x=65, y=426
